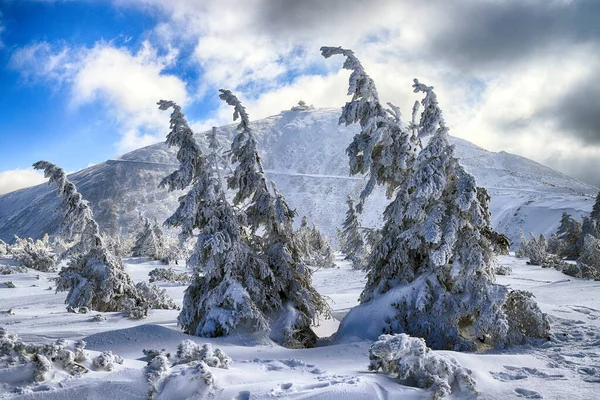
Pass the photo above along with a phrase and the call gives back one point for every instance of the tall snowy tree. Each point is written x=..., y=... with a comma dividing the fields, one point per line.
x=270, y=213
x=383, y=148
x=232, y=286
x=150, y=242
x=433, y=254
x=354, y=244
x=595, y=214
x=94, y=278
x=569, y=233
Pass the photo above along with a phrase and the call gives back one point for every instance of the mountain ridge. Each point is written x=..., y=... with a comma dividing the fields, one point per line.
x=303, y=152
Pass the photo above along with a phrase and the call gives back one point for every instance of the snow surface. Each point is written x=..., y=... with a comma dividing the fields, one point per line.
x=568, y=366
x=304, y=153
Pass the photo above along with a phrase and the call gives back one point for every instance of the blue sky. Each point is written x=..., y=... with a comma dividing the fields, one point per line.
x=80, y=79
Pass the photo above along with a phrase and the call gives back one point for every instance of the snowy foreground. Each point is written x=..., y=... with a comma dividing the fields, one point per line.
x=568, y=366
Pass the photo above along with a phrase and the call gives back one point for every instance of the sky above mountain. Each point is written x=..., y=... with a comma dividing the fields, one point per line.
x=80, y=79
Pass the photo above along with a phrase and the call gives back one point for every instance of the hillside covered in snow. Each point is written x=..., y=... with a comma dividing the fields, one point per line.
x=304, y=154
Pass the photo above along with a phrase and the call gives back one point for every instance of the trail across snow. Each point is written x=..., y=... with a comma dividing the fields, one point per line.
x=568, y=366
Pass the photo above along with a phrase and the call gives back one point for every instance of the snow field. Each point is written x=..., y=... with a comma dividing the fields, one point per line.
x=568, y=366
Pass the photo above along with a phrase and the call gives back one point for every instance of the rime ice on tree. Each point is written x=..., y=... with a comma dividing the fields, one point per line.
x=228, y=289
x=291, y=280
x=433, y=263
x=95, y=278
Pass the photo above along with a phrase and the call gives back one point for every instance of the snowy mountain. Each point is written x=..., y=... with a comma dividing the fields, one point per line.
x=304, y=154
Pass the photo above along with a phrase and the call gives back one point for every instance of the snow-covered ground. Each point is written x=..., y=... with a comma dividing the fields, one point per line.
x=568, y=366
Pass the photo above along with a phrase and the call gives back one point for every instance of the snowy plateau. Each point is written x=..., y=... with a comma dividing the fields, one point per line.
x=304, y=153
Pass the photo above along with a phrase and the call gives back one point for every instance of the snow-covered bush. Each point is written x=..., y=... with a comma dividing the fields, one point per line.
x=533, y=248
x=166, y=375
x=414, y=363
x=94, y=278
x=188, y=351
x=154, y=297
x=34, y=254
x=168, y=275
x=501, y=269
x=63, y=354
x=432, y=271
x=525, y=318
x=106, y=361
x=555, y=262
x=3, y=248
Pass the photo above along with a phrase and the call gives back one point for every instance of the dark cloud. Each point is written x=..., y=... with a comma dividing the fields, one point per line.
x=485, y=34
x=578, y=111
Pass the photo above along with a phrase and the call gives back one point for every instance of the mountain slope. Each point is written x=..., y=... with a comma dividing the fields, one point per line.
x=304, y=154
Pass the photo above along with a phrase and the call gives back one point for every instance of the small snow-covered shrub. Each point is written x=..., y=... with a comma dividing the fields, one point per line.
x=188, y=351
x=3, y=248
x=64, y=354
x=7, y=270
x=35, y=255
x=525, y=318
x=106, y=361
x=98, y=318
x=133, y=310
x=555, y=262
x=414, y=362
x=168, y=275
x=502, y=270
x=533, y=248
x=165, y=375
x=9, y=285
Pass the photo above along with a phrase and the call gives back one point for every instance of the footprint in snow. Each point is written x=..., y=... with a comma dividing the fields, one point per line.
x=528, y=394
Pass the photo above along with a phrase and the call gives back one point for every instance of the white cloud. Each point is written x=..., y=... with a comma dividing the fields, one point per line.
x=127, y=84
x=19, y=178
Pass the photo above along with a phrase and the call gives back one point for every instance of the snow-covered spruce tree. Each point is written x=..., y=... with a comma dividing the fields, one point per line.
x=384, y=148
x=354, y=245
x=499, y=241
x=94, y=278
x=322, y=253
x=232, y=287
x=569, y=233
x=269, y=212
x=150, y=242
x=595, y=214
x=433, y=263
x=588, y=264
x=313, y=247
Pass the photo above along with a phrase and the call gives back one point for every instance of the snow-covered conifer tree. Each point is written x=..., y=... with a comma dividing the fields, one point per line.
x=383, y=148
x=150, y=242
x=313, y=247
x=595, y=214
x=354, y=245
x=569, y=233
x=95, y=278
x=269, y=212
x=232, y=286
x=433, y=254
